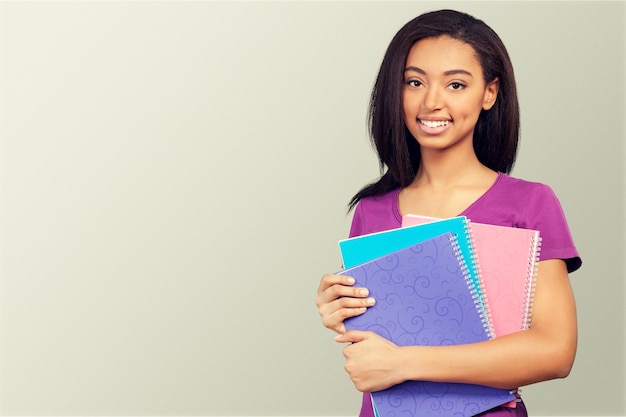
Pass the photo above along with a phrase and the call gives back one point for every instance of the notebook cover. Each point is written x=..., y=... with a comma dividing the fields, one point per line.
x=359, y=249
x=507, y=260
x=424, y=297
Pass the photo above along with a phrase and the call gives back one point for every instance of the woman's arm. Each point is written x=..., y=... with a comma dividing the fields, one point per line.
x=545, y=351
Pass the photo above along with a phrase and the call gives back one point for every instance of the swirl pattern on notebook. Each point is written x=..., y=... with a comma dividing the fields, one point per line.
x=425, y=297
x=360, y=249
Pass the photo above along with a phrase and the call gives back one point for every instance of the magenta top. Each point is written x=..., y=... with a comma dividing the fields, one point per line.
x=508, y=202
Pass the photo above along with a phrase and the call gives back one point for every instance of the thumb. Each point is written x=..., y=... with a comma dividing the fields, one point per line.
x=352, y=336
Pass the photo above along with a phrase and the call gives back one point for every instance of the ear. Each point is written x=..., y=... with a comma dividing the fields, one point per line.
x=491, y=93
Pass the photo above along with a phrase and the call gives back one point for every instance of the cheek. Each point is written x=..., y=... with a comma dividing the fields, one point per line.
x=469, y=109
x=408, y=118
x=407, y=110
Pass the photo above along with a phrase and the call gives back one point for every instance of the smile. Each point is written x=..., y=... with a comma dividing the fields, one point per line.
x=434, y=123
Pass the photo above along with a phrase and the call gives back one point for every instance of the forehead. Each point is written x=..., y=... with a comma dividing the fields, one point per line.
x=443, y=53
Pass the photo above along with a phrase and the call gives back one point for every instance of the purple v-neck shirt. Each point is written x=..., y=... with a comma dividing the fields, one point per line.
x=508, y=202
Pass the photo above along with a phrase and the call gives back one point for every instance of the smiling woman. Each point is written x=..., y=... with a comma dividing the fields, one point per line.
x=452, y=126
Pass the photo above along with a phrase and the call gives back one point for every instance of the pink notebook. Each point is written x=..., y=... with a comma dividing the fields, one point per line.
x=507, y=259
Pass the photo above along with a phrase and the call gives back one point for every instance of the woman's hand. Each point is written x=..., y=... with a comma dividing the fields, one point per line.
x=337, y=300
x=373, y=363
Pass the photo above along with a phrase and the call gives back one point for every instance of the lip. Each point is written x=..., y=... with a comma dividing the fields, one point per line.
x=436, y=125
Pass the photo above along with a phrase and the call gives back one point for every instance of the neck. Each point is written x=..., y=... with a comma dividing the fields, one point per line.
x=444, y=169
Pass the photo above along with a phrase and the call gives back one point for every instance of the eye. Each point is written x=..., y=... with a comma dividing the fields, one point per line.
x=456, y=86
x=414, y=83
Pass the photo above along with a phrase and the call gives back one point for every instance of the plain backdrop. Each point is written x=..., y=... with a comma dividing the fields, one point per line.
x=174, y=180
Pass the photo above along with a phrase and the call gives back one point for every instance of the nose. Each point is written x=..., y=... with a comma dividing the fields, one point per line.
x=433, y=99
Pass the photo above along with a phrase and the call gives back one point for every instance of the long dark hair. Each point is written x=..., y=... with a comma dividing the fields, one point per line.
x=496, y=134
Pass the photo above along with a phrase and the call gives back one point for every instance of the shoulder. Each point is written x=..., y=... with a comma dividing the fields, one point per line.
x=511, y=186
x=530, y=205
x=380, y=202
x=376, y=213
x=533, y=199
x=513, y=202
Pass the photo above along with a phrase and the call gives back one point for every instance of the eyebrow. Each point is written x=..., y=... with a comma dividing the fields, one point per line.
x=446, y=73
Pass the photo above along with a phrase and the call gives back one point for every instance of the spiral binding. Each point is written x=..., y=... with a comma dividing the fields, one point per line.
x=479, y=284
x=531, y=280
x=477, y=298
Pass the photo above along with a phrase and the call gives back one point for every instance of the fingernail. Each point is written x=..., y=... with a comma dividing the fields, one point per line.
x=350, y=280
x=370, y=301
x=364, y=291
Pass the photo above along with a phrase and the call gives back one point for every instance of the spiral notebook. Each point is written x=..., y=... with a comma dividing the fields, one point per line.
x=424, y=296
x=507, y=261
x=359, y=249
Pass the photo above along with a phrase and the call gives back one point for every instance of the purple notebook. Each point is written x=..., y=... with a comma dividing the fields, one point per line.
x=424, y=297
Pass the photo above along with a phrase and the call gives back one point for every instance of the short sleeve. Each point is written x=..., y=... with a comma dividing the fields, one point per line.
x=544, y=212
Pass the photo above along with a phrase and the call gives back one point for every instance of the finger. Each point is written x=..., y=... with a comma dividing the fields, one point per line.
x=328, y=280
x=353, y=336
x=336, y=319
x=342, y=290
x=346, y=303
x=337, y=292
x=338, y=302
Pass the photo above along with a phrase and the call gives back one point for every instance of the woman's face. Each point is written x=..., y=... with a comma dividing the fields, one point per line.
x=444, y=93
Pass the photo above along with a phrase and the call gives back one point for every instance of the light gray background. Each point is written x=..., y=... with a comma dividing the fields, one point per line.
x=173, y=185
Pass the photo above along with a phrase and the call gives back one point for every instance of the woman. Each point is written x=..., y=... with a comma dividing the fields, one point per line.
x=444, y=120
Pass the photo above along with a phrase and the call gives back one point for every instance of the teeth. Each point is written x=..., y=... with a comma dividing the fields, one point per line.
x=435, y=123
